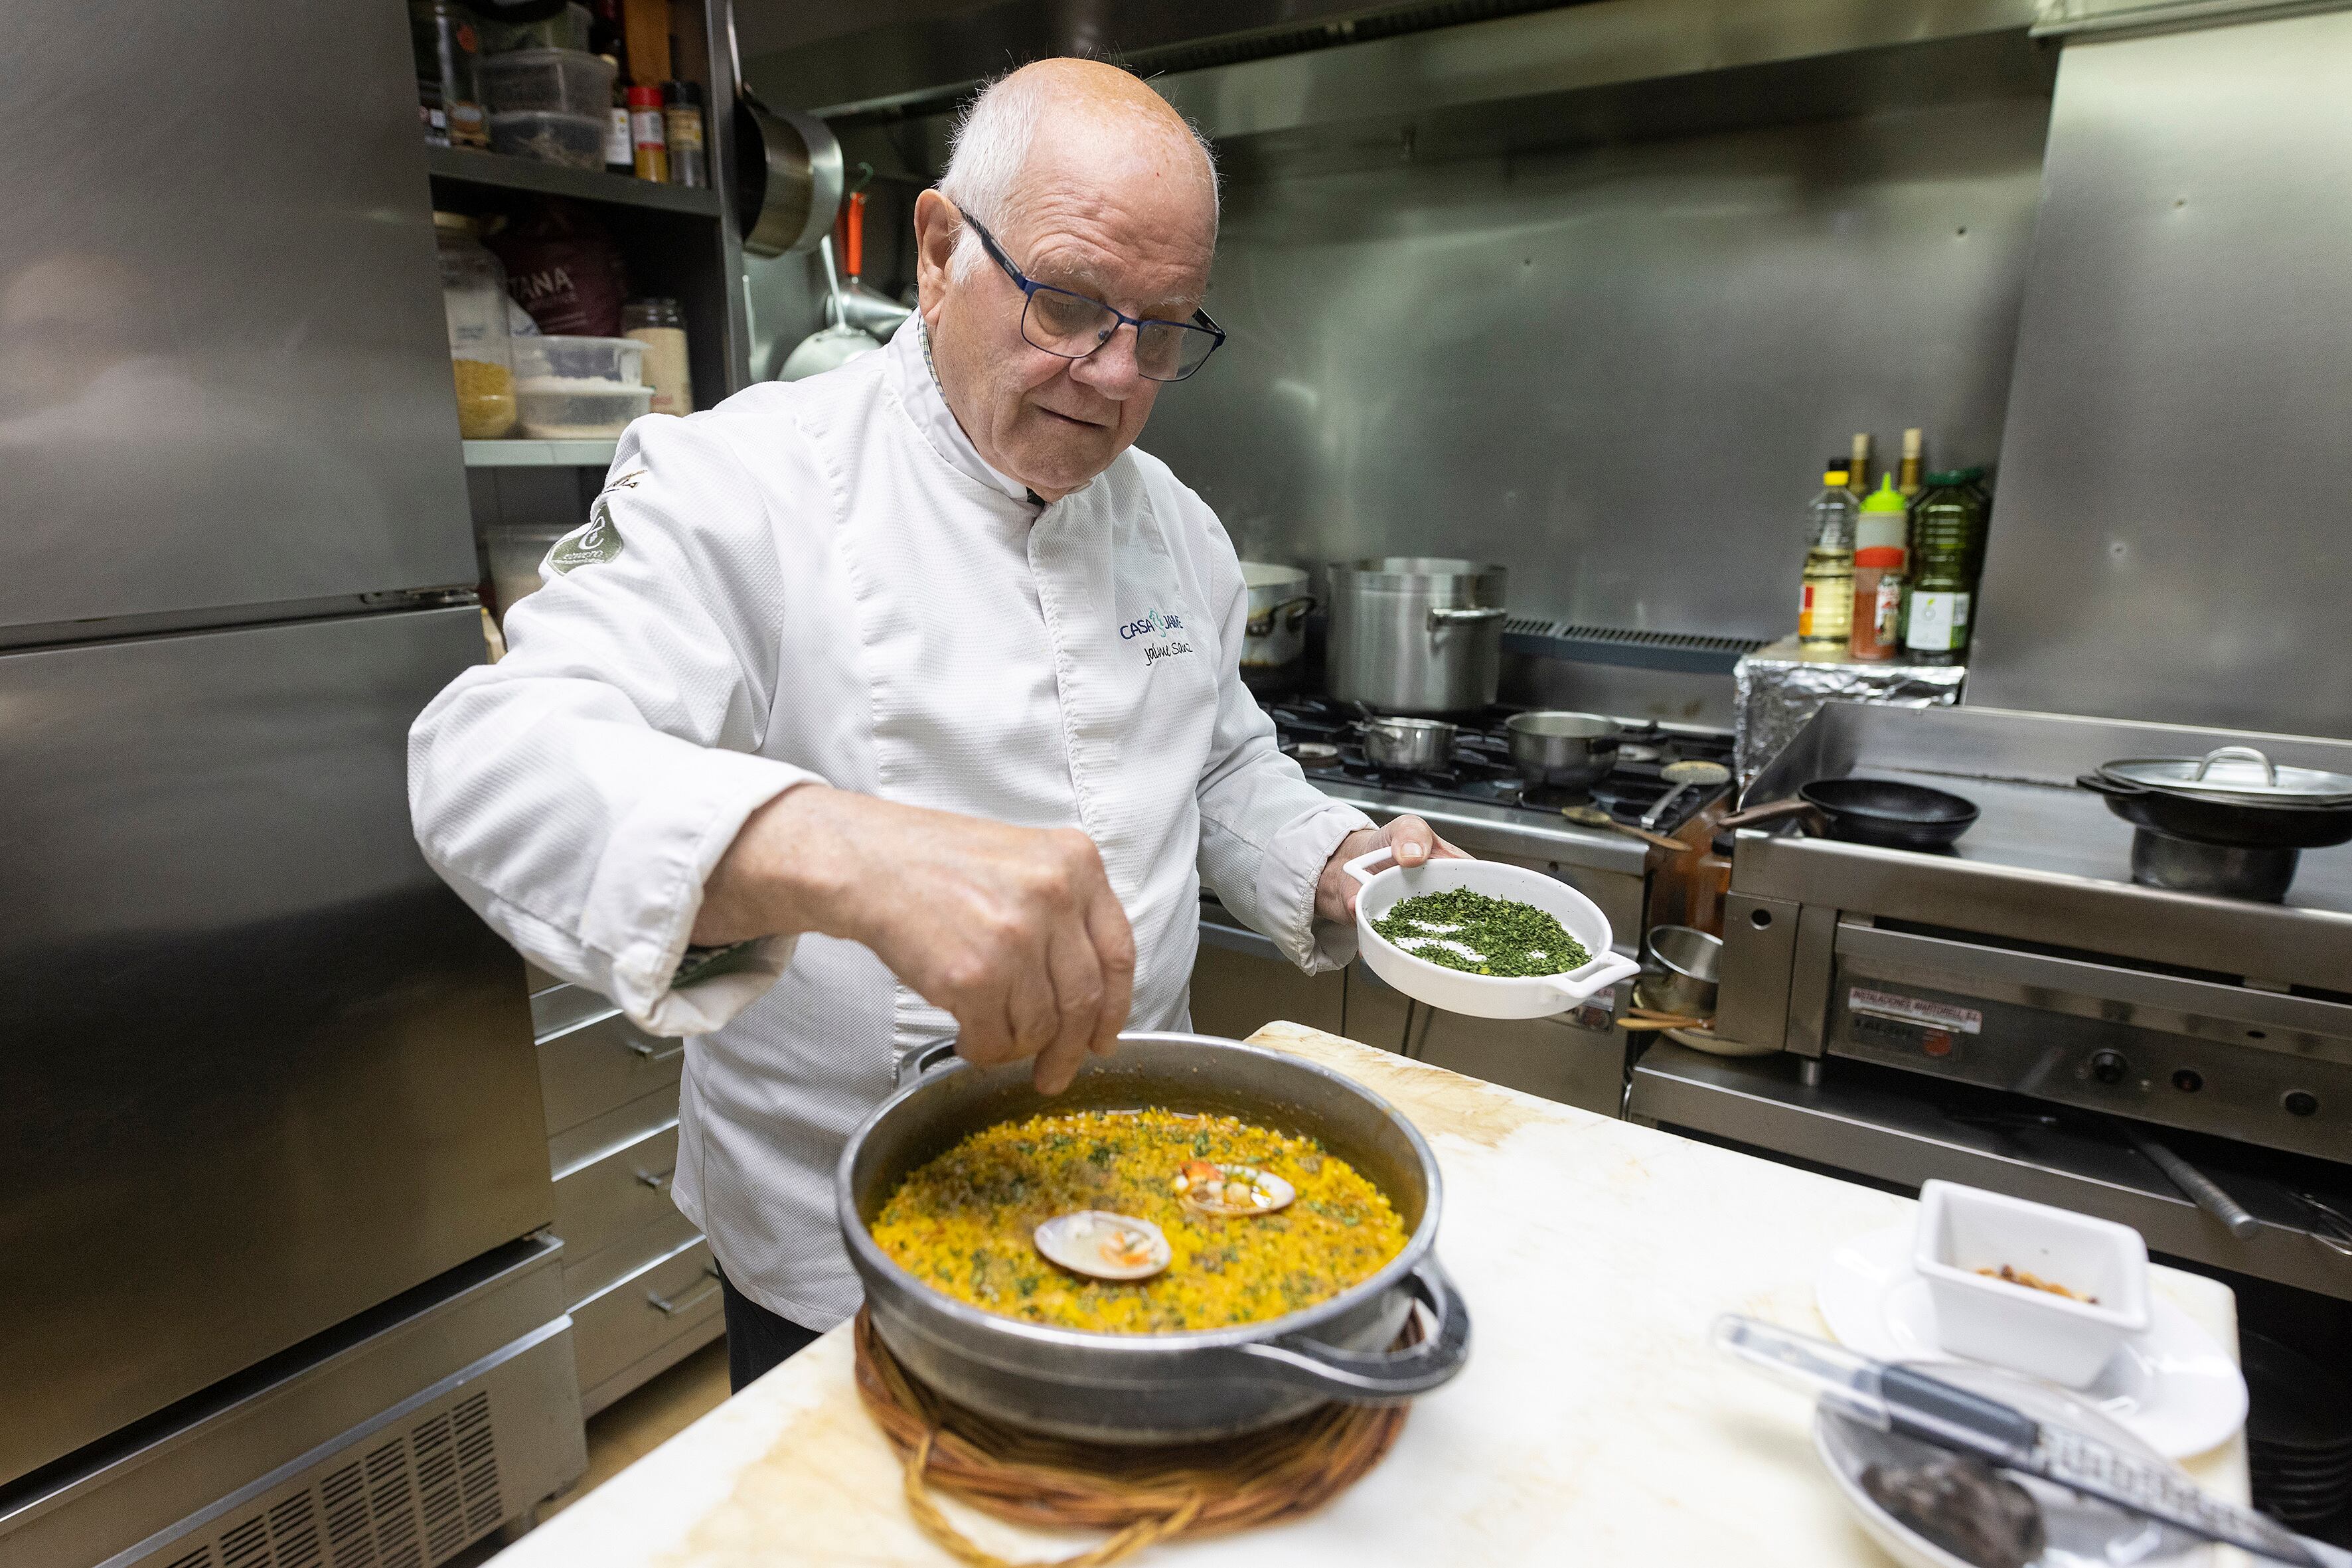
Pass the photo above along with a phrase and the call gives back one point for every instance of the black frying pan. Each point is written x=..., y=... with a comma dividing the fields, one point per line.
x=1883, y=812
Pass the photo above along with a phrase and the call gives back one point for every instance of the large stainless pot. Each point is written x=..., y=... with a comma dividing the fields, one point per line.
x=1416, y=634
x=1157, y=1388
x=1278, y=607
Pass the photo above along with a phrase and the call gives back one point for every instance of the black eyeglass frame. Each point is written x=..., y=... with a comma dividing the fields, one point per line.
x=1029, y=289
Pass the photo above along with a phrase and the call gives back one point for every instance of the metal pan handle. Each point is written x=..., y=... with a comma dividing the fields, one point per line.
x=2242, y=754
x=1444, y=615
x=923, y=1060
x=2118, y=789
x=1371, y=1377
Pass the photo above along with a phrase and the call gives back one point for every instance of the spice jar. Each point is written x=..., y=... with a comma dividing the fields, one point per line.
x=682, y=126
x=660, y=325
x=448, y=49
x=649, y=139
x=481, y=354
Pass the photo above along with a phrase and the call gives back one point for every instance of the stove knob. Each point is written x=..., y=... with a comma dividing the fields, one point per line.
x=2109, y=1067
x=2301, y=1103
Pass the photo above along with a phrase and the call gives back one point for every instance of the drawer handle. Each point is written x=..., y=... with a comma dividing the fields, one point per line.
x=672, y=1306
x=648, y=1055
x=656, y=1180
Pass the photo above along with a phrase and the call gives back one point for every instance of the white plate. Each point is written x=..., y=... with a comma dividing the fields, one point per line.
x=1485, y=996
x=2172, y=1386
x=2082, y=1533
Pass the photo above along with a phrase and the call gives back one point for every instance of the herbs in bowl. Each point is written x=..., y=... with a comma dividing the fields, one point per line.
x=1483, y=937
x=1462, y=929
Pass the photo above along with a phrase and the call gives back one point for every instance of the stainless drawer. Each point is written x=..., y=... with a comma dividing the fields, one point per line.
x=587, y=1274
x=561, y=1007
x=675, y=1295
x=597, y=1066
x=622, y=1192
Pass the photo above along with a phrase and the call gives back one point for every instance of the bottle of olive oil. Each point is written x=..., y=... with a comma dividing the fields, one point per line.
x=1825, y=619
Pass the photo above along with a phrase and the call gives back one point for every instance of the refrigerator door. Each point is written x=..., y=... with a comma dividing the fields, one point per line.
x=260, y=1069
x=224, y=371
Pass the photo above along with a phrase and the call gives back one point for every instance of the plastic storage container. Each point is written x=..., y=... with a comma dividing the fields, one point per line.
x=474, y=300
x=556, y=410
x=573, y=140
x=574, y=389
x=555, y=81
x=618, y=359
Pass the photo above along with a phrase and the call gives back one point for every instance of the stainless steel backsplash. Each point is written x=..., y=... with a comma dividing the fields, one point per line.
x=1616, y=368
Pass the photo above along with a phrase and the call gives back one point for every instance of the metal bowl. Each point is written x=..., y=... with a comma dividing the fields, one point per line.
x=1564, y=751
x=1414, y=745
x=1175, y=1387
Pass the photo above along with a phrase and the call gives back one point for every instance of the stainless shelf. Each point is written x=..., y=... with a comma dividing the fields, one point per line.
x=505, y=173
x=540, y=454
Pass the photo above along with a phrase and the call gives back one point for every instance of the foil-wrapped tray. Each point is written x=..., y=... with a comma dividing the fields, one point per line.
x=1780, y=687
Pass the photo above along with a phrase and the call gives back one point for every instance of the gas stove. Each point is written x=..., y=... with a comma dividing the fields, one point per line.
x=2014, y=1011
x=1326, y=739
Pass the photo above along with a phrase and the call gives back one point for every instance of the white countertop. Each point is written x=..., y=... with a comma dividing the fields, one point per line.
x=1593, y=1424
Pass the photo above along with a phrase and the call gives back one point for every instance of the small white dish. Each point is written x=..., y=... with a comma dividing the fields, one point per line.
x=2081, y=1533
x=2173, y=1386
x=1485, y=996
x=1967, y=1238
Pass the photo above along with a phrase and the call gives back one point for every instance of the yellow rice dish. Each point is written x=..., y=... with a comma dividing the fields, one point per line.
x=964, y=1223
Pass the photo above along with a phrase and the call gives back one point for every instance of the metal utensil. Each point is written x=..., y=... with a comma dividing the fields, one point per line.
x=829, y=346
x=2203, y=1189
x=1594, y=816
x=1414, y=745
x=1564, y=751
x=1667, y=803
x=1911, y=1402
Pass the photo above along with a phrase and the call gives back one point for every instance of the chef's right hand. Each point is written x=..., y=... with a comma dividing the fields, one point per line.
x=1014, y=930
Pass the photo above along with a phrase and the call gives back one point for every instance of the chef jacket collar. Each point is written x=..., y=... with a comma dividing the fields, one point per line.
x=916, y=382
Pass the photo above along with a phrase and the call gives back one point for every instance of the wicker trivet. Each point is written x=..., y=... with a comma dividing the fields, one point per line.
x=1142, y=1494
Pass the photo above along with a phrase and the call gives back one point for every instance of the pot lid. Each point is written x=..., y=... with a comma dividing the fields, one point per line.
x=2239, y=773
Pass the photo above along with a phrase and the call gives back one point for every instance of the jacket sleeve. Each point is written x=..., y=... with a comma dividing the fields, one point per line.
x=1265, y=832
x=578, y=792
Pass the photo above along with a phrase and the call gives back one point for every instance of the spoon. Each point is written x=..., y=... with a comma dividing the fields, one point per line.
x=1105, y=1245
x=1593, y=816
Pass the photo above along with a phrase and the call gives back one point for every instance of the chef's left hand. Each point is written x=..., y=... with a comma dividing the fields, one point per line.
x=1414, y=840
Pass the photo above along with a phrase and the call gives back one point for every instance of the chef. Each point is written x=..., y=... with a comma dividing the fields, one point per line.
x=902, y=702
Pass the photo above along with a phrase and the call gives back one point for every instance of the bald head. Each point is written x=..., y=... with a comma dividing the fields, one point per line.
x=1060, y=121
x=1092, y=184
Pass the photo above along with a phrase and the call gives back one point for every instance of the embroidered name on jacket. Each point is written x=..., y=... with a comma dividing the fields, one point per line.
x=1161, y=632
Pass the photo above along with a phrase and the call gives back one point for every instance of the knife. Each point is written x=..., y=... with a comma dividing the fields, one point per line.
x=1904, y=1400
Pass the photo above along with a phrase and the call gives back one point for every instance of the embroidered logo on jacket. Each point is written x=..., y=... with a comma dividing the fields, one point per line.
x=601, y=540
x=1157, y=623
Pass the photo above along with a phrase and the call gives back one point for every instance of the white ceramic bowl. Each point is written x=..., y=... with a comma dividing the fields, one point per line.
x=1485, y=996
x=1963, y=1229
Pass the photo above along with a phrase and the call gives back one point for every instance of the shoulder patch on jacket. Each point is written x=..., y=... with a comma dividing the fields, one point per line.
x=599, y=541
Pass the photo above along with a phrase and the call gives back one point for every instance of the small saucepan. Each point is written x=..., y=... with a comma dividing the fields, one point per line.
x=1881, y=812
x=1564, y=751
x=1412, y=745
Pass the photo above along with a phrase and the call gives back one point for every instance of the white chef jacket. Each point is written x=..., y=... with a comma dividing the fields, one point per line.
x=823, y=581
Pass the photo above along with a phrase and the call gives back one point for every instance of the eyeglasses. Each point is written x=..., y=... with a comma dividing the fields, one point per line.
x=1073, y=326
